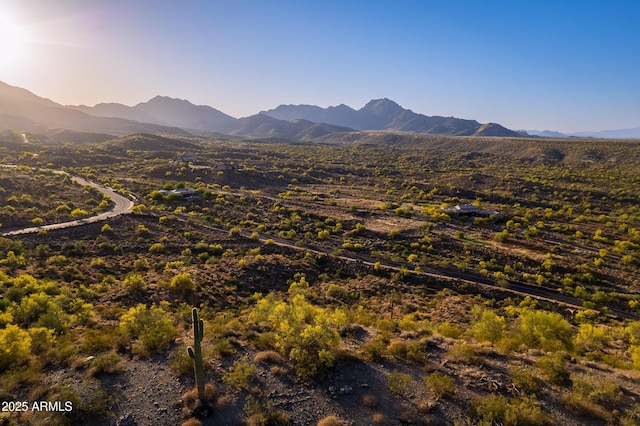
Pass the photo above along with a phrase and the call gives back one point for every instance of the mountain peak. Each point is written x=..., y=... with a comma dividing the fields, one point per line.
x=382, y=106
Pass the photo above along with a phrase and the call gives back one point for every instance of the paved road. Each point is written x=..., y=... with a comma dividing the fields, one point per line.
x=122, y=205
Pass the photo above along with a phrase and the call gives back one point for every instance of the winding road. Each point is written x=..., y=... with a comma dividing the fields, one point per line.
x=122, y=205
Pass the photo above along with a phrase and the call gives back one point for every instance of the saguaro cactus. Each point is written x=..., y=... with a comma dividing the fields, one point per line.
x=195, y=352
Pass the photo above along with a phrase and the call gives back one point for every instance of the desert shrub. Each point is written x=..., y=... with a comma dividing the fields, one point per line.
x=415, y=352
x=502, y=236
x=42, y=310
x=465, y=353
x=79, y=213
x=303, y=332
x=544, y=330
x=592, y=338
x=379, y=418
x=398, y=348
x=268, y=357
x=338, y=292
x=495, y=409
x=399, y=383
x=142, y=231
x=376, y=349
x=141, y=264
x=524, y=379
x=224, y=346
x=449, y=330
x=267, y=416
x=240, y=374
x=63, y=209
x=596, y=389
x=181, y=364
x=157, y=248
x=106, y=363
x=370, y=400
x=440, y=384
x=16, y=346
x=153, y=327
x=96, y=340
x=591, y=396
x=183, y=283
x=634, y=351
x=134, y=282
x=330, y=421
x=632, y=333
x=554, y=367
x=488, y=327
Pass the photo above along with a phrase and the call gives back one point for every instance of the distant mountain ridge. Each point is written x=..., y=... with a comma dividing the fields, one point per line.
x=166, y=111
x=21, y=109
x=24, y=110
x=632, y=133
x=385, y=114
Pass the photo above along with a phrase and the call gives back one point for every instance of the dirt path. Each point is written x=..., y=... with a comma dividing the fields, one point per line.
x=122, y=205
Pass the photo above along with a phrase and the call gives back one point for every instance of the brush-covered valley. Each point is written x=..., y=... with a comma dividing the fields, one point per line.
x=336, y=281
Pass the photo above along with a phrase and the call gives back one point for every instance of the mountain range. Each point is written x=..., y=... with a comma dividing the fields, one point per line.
x=22, y=110
x=384, y=114
x=633, y=133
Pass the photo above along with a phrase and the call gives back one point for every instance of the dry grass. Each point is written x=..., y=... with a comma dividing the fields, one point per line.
x=191, y=396
x=370, y=400
x=379, y=418
x=330, y=421
x=268, y=357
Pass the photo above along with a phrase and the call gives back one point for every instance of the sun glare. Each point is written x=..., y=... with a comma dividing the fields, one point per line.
x=12, y=43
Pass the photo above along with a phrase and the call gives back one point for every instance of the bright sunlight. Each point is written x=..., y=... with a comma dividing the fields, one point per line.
x=12, y=43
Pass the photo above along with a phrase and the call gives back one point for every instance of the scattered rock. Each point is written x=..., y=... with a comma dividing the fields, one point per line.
x=127, y=420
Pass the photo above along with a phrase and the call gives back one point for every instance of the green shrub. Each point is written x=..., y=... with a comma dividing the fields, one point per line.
x=240, y=374
x=592, y=396
x=544, y=330
x=465, y=353
x=303, y=332
x=141, y=264
x=106, y=363
x=554, y=368
x=525, y=380
x=449, y=330
x=398, y=348
x=338, y=292
x=495, y=409
x=489, y=327
x=592, y=338
x=183, y=283
x=134, y=282
x=152, y=327
x=399, y=383
x=157, y=248
x=440, y=384
x=15, y=345
x=376, y=349
x=181, y=364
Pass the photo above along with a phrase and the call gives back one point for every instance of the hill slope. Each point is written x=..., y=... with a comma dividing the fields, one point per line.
x=26, y=111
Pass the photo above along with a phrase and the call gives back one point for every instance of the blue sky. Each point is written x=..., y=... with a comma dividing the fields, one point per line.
x=560, y=65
